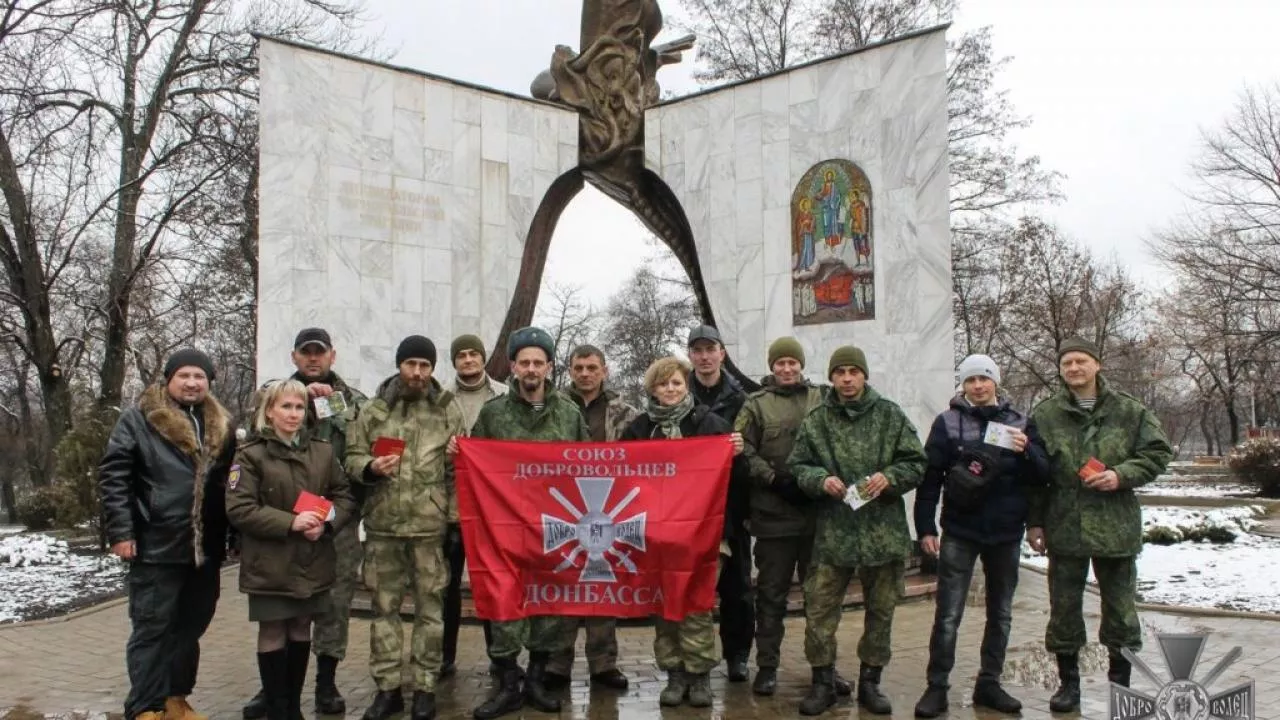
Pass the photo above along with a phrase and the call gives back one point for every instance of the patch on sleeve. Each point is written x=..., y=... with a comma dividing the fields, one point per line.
x=233, y=477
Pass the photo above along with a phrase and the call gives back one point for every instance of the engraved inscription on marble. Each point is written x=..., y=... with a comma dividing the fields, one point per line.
x=386, y=207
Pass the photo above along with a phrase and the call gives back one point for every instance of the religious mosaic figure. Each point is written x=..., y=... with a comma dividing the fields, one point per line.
x=832, y=280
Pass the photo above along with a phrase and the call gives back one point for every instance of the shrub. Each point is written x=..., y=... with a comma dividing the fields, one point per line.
x=1161, y=535
x=1257, y=462
x=54, y=506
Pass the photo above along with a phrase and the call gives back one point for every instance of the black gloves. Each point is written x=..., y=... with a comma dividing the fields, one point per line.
x=784, y=483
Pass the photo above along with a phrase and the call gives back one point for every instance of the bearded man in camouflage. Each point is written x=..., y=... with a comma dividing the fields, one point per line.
x=532, y=410
x=1102, y=444
x=855, y=437
x=411, y=503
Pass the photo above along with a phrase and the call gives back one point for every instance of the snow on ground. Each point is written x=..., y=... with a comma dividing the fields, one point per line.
x=1172, y=487
x=1239, y=575
x=10, y=530
x=41, y=577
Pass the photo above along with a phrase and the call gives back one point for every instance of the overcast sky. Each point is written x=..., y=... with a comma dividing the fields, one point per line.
x=1118, y=91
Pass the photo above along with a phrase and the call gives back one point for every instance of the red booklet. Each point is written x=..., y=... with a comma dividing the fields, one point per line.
x=310, y=502
x=384, y=446
x=1091, y=468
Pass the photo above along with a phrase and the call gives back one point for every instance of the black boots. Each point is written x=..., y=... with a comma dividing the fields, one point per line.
x=535, y=692
x=299, y=654
x=869, y=695
x=1120, y=669
x=1067, y=698
x=328, y=700
x=766, y=682
x=613, y=679
x=273, y=671
x=843, y=689
x=989, y=694
x=822, y=693
x=677, y=689
x=423, y=707
x=256, y=708
x=385, y=704
x=738, y=671
x=507, y=696
x=933, y=703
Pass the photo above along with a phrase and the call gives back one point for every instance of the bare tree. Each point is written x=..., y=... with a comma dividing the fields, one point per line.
x=741, y=39
x=643, y=322
x=570, y=319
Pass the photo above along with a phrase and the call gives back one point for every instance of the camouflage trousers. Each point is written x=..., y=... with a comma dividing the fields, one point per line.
x=824, y=590
x=602, y=645
x=390, y=565
x=689, y=643
x=540, y=634
x=329, y=634
x=1118, y=588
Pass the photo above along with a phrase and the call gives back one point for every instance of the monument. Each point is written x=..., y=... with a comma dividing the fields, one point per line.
x=810, y=202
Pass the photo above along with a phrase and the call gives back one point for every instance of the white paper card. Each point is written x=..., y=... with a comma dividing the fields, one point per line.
x=1000, y=435
x=327, y=407
x=855, y=496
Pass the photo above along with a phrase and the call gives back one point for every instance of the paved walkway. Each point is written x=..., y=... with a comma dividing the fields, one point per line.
x=75, y=668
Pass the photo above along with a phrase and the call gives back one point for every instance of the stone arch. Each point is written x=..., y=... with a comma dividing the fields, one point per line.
x=832, y=249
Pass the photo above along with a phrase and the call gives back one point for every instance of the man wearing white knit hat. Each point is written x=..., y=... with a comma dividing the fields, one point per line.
x=984, y=457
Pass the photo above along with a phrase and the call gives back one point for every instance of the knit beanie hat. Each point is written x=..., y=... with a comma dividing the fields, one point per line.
x=1079, y=344
x=785, y=347
x=416, y=346
x=467, y=342
x=848, y=355
x=530, y=337
x=978, y=366
x=188, y=357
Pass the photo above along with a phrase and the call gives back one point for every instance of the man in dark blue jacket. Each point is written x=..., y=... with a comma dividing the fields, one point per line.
x=987, y=457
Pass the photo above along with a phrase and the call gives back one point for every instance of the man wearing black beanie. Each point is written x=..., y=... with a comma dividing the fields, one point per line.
x=396, y=448
x=163, y=481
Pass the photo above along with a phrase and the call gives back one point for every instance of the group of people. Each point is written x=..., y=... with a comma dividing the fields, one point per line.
x=819, y=476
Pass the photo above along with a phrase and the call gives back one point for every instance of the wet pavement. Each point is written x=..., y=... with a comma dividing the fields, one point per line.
x=75, y=668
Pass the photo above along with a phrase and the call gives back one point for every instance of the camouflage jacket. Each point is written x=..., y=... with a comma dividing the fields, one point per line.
x=418, y=501
x=1124, y=436
x=768, y=422
x=511, y=417
x=852, y=441
x=618, y=414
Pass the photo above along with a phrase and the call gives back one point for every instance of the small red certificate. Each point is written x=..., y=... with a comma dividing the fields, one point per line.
x=312, y=503
x=1091, y=468
x=385, y=446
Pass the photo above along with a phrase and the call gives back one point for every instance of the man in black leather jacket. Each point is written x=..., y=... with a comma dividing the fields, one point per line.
x=163, y=483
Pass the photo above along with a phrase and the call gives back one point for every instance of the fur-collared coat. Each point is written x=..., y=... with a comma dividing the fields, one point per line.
x=163, y=485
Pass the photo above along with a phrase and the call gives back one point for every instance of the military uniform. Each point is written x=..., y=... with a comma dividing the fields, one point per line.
x=1083, y=525
x=405, y=519
x=329, y=635
x=853, y=440
x=511, y=417
x=781, y=517
x=607, y=417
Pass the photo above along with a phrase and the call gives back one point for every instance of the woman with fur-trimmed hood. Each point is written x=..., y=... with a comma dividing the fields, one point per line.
x=162, y=479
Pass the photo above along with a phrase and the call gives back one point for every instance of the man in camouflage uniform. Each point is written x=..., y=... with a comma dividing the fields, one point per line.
x=313, y=356
x=855, y=437
x=607, y=415
x=1102, y=444
x=410, y=505
x=532, y=410
x=472, y=387
x=782, y=516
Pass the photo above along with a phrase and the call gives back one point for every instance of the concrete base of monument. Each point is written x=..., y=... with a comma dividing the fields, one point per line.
x=919, y=586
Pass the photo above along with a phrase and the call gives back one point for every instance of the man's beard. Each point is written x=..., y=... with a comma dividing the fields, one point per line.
x=412, y=390
x=530, y=383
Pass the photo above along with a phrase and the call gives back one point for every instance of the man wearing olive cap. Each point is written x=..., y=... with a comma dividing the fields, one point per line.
x=531, y=410
x=856, y=437
x=1102, y=443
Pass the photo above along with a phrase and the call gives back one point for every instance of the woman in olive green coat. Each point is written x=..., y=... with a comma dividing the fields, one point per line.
x=287, y=560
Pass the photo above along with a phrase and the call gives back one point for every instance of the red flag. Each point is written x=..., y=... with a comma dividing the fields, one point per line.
x=610, y=529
